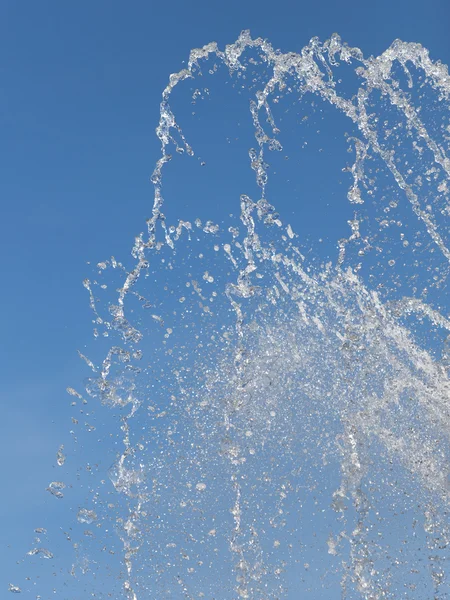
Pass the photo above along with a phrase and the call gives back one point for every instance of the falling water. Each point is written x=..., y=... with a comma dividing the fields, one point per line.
x=278, y=382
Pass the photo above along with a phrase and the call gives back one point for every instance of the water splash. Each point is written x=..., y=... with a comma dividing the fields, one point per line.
x=283, y=409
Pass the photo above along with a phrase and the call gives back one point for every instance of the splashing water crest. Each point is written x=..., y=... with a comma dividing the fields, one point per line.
x=283, y=405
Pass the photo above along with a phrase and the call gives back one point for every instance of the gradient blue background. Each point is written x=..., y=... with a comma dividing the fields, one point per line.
x=79, y=101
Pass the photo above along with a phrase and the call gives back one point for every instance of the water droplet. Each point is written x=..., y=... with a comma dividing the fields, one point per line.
x=60, y=457
x=40, y=530
x=55, y=488
x=42, y=551
x=86, y=516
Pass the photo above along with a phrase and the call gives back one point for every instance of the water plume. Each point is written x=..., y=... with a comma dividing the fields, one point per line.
x=282, y=403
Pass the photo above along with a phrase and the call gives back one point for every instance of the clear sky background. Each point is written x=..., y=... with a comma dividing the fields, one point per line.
x=79, y=100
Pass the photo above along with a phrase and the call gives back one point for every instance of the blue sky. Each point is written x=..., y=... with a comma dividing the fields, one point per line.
x=79, y=101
